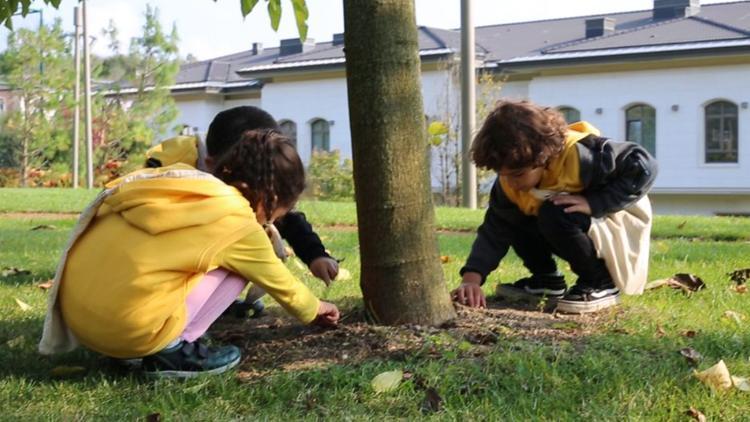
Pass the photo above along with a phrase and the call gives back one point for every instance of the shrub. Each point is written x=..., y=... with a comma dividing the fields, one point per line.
x=328, y=178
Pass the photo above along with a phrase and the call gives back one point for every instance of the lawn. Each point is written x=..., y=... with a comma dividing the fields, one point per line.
x=622, y=364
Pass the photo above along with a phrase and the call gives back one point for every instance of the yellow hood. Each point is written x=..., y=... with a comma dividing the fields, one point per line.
x=180, y=149
x=164, y=204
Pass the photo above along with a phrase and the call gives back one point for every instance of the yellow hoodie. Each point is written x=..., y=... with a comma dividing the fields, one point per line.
x=562, y=173
x=125, y=281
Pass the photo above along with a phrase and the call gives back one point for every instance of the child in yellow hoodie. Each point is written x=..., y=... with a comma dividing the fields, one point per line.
x=566, y=191
x=161, y=253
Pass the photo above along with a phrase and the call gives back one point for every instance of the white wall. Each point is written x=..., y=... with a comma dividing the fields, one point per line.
x=679, y=134
x=199, y=112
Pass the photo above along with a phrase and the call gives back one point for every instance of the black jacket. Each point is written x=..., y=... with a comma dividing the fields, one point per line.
x=300, y=235
x=614, y=175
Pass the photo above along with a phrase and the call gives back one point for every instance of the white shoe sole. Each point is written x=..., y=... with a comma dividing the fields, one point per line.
x=192, y=374
x=580, y=307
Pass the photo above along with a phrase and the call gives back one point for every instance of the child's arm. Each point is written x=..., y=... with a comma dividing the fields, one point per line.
x=307, y=245
x=493, y=236
x=253, y=258
x=620, y=174
x=295, y=229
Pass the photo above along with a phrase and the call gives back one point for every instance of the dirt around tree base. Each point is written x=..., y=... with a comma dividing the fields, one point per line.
x=275, y=343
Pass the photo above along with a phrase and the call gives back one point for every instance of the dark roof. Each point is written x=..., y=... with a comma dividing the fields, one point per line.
x=515, y=41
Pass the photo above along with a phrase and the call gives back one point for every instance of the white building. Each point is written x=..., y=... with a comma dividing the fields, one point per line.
x=675, y=79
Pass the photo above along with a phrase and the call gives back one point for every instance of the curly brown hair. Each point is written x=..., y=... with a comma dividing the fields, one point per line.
x=518, y=134
x=265, y=167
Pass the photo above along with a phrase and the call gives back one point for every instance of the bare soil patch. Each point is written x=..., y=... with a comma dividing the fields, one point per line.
x=275, y=343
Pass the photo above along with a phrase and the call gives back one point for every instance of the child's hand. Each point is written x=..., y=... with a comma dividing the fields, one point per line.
x=325, y=269
x=328, y=315
x=470, y=293
x=577, y=203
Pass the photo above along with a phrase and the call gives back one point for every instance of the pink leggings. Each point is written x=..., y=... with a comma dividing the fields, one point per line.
x=209, y=299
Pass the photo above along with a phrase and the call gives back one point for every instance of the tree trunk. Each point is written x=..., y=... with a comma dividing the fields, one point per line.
x=401, y=277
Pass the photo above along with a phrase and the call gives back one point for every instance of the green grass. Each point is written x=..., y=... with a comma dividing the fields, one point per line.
x=624, y=370
x=324, y=213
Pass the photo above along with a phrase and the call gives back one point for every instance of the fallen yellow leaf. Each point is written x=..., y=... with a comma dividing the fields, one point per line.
x=735, y=316
x=716, y=377
x=445, y=259
x=387, y=381
x=23, y=305
x=343, y=275
x=741, y=383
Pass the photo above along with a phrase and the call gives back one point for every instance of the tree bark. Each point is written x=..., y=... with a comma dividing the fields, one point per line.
x=402, y=277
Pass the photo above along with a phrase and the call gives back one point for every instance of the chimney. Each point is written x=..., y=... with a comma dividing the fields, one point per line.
x=670, y=9
x=338, y=39
x=257, y=48
x=295, y=46
x=597, y=27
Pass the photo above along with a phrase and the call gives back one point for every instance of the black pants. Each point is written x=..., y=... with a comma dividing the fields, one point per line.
x=553, y=231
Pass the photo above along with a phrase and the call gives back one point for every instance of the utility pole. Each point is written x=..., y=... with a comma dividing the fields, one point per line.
x=468, y=104
x=87, y=97
x=77, y=96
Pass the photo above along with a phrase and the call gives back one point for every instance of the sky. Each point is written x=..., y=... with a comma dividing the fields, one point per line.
x=209, y=28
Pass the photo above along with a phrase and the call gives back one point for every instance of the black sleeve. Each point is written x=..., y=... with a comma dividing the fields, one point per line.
x=621, y=174
x=493, y=236
x=300, y=235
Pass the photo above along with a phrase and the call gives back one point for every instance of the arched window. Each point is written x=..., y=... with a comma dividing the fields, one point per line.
x=289, y=129
x=570, y=114
x=640, y=126
x=721, y=132
x=321, y=135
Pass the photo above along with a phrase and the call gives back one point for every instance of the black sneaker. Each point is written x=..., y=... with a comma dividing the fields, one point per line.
x=187, y=360
x=582, y=299
x=241, y=309
x=534, y=288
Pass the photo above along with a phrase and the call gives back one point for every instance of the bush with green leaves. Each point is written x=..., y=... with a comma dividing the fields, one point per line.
x=329, y=178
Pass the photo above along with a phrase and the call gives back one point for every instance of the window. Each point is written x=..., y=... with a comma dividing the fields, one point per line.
x=570, y=114
x=721, y=132
x=289, y=129
x=640, y=126
x=321, y=135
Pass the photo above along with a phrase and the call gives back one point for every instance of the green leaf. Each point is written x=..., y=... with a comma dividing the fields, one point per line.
x=387, y=381
x=274, y=12
x=247, y=6
x=300, y=15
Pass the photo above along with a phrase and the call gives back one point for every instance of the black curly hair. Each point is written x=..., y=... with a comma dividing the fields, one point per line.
x=265, y=167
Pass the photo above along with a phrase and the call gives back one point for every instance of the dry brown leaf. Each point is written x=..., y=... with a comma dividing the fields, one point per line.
x=46, y=285
x=740, y=276
x=691, y=355
x=432, y=401
x=681, y=225
x=716, y=377
x=696, y=414
x=688, y=333
x=688, y=283
x=43, y=227
x=66, y=371
x=23, y=305
x=660, y=332
x=740, y=288
x=445, y=259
